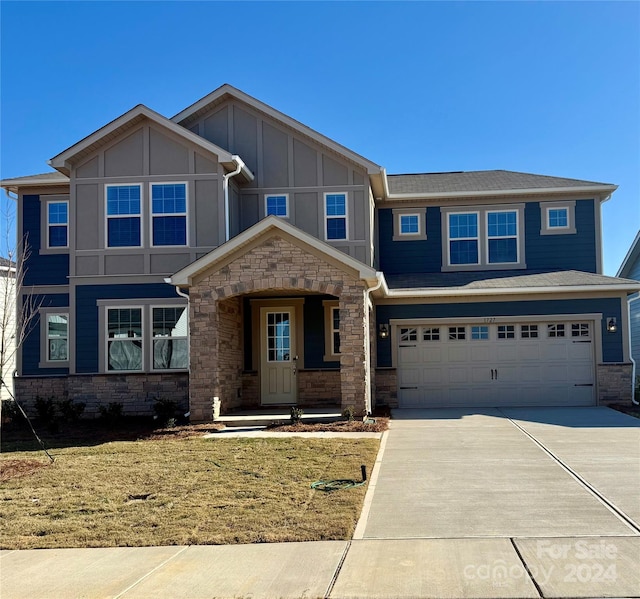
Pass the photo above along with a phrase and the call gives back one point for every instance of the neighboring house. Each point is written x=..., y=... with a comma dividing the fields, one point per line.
x=630, y=269
x=7, y=326
x=233, y=252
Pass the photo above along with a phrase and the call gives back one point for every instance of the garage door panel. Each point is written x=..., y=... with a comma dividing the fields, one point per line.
x=470, y=368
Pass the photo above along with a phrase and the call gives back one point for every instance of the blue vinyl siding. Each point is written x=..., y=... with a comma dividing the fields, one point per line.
x=634, y=315
x=403, y=257
x=31, y=345
x=87, y=331
x=563, y=252
x=40, y=269
x=611, y=342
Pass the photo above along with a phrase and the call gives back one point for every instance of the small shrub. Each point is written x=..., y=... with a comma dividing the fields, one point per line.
x=166, y=411
x=349, y=413
x=111, y=414
x=296, y=415
x=46, y=411
x=70, y=410
x=9, y=411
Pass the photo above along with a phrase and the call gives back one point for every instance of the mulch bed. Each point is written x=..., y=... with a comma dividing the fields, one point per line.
x=378, y=425
x=17, y=468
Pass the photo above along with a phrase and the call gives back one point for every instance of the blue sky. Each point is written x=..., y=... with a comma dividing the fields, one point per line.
x=542, y=87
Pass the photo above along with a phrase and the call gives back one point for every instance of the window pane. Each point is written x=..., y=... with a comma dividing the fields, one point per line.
x=503, y=250
x=58, y=236
x=558, y=217
x=58, y=350
x=124, y=232
x=123, y=200
x=169, y=230
x=336, y=228
x=480, y=332
x=464, y=252
x=170, y=322
x=336, y=205
x=58, y=213
x=57, y=325
x=125, y=355
x=170, y=353
x=501, y=224
x=124, y=322
x=169, y=199
x=463, y=226
x=409, y=224
x=277, y=205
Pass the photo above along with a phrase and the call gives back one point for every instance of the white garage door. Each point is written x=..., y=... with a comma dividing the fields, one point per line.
x=501, y=364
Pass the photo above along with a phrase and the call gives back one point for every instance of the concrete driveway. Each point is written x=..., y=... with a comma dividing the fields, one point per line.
x=534, y=502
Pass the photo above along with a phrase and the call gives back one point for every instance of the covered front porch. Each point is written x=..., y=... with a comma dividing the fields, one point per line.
x=278, y=318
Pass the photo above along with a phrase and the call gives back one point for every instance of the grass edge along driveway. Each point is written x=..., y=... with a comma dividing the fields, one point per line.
x=188, y=491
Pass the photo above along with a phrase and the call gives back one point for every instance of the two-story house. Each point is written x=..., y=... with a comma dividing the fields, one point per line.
x=233, y=252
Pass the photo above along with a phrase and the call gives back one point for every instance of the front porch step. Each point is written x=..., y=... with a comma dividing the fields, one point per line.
x=269, y=416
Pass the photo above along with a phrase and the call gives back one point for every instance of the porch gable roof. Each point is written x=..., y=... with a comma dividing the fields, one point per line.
x=264, y=229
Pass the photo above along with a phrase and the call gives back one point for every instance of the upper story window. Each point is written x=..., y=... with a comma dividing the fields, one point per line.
x=169, y=214
x=485, y=238
x=277, y=205
x=557, y=218
x=123, y=216
x=335, y=216
x=409, y=224
x=57, y=224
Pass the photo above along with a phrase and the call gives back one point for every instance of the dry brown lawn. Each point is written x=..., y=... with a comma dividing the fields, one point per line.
x=181, y=491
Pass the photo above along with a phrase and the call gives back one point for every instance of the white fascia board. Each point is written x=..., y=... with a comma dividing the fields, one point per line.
x=185, y=276
x=431, y=292
x=371, y=167
x=633, y=252
x=601, y=190
x=14, y=185
x=60, y=161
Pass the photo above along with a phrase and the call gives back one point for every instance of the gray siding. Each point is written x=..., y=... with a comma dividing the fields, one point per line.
x=148, y=154
x=285, y=162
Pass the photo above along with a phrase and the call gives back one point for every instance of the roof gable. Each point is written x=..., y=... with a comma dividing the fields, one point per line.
x=190, y=114
x=630, y=267
x=266, y=228
x=74, y=154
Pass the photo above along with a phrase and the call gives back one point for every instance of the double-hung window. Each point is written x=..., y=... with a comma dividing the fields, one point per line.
x=170, y=347
x=277, y=205
x=124, y=339
x=486, y=238
x=169, y=214
x=331, y=330
x=57, y=224
x=57, y=337
x=123, y=216
x=335, y=216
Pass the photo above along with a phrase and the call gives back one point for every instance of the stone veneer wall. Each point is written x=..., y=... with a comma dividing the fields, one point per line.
x=318, y=388
x=278, y=265
x=387, y=387
x=614, y=383
x=136, y=392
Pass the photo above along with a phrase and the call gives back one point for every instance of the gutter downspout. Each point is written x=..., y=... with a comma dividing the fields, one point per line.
x=225, y=186
x=630, y=300
x=369, y=305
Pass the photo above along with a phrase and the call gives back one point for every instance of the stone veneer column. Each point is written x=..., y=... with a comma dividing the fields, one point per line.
x=354, y=351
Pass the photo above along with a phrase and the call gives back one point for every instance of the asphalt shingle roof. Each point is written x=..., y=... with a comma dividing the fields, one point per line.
x=500, y=279
x=473, y=181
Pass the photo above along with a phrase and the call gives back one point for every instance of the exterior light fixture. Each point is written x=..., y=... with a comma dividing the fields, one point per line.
x=383, y=331
x=612, y=324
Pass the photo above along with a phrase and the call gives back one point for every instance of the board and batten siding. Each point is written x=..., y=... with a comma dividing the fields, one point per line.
x=634, y=315
x=143, y=156
x=284, y=162
x=612, y=348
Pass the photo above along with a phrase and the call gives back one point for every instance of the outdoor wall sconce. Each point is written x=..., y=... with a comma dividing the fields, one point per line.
x=612, y=324
x=383, y=331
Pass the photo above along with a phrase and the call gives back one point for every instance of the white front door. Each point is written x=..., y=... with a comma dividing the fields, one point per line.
x=278, y=358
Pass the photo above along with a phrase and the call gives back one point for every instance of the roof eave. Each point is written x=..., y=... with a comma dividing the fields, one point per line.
x=603, y=192
x=449, y=292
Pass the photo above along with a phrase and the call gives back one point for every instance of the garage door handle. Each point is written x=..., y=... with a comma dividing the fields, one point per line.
x=583, y=385
x=494, y=374
x=408, y=387
x=582, y=341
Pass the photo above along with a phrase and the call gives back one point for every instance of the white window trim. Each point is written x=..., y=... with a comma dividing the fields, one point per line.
x=185, y=213
x=45, y=362
x=107, y=216
x=44, y=224
x=57, y=247
x=487, y=238
x=569, y=206
x=346, y=215
x=146, y=306
x=151, y=349
x=143, y=330
x=329, y=349
x=277, y=195
x=483, y=238
x=398, y=213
